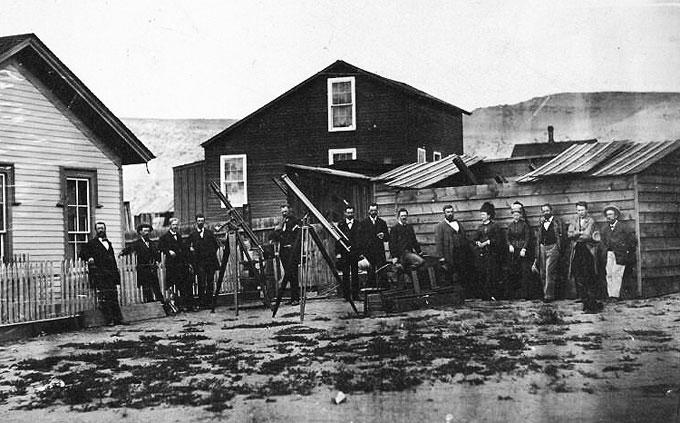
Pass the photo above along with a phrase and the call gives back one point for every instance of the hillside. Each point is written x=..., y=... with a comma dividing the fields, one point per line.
x=492, y=131
x=174, y=142
x=489, y=131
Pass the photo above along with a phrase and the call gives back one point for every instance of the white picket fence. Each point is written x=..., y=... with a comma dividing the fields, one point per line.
x=40, y=290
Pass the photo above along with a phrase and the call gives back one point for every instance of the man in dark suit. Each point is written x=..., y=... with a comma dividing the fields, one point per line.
x=620, y=245
x=147, y=268
x=404, y=246
x=203, y=249
x=104, y=276
x=176, y=263
x=374, y=235
x=287, y=234
x=454, y=248
x=549, y=247
x=348, y=261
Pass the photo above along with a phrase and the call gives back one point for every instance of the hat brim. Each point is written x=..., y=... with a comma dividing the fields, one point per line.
x=614, y=208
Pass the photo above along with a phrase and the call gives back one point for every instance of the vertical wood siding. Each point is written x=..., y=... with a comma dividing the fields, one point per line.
x=37, y=137
x=189, y=192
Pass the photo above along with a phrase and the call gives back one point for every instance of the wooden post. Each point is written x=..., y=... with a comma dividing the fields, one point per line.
x=638, y=265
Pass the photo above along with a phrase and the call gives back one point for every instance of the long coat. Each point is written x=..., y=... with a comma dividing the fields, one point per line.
x=403, y=240
x=454, y=247
x=354, y=236
x=104, y=271
x=205, y=249
x=583, y=232
x=372, y=246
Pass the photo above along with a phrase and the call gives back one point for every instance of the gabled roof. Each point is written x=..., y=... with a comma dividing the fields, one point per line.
x=28, y=50
x=614, y=158
x=342, y=68
x=422, y=175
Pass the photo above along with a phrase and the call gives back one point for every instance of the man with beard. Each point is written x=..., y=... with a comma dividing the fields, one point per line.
x=584, y=237
x=453, y=248
x=348, y=260
x=287, y=233
x=619, y=243
x=176, y=263
x=549, y=243
x=375, y=235
x=203, y=248
x=104, y=276
x=147, y=275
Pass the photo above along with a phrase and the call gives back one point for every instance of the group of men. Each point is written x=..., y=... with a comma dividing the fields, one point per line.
x=492, y=264
x=488, y=262
x=195, y=258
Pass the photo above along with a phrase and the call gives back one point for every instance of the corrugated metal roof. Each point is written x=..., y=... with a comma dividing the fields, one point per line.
x=637, y=157
x=422, y=175
x=614, y=158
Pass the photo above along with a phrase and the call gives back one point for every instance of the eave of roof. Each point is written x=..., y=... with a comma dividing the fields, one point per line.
x=396, y=84
x=136, y=152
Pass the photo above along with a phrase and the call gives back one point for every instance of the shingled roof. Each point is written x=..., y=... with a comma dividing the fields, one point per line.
x=32, y=54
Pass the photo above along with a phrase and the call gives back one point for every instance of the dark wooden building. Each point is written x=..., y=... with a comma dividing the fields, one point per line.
x=340, y=113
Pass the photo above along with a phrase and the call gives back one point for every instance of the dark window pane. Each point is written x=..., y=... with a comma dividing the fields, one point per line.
x=83, y=221
x=71, y=218
x=71, y=191
x=83, y=193
x=342, y=92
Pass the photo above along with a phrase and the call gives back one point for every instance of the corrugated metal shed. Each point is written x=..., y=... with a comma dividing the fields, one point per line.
x=614, y=158
x=422, y=175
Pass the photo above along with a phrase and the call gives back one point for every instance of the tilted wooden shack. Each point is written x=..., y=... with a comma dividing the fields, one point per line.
x=641, y=179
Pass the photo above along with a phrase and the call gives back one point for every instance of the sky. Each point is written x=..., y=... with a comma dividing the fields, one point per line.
x=225, y=59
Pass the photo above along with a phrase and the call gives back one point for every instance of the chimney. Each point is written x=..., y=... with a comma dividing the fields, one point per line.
x=550, y=134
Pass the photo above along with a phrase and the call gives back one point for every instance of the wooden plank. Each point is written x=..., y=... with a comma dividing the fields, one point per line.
x=661, y=243
x=657, y=180
x=653, y=287
x=654, y=230
x=666, y=217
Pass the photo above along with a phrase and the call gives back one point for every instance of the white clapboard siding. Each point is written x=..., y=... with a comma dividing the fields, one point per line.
x=37, y=137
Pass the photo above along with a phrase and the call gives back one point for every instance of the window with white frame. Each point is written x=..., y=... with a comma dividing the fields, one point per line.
x=341, y=104
x=3, y=217
x=436, y=155
x=339, y=154
x=422, y=158
x=6, y=203
x=234, y=179
x=79, y=188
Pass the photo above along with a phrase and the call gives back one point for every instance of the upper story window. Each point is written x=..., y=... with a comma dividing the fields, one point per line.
x=339, y=154
x=422, y=158
x=436, y=155
x=234, y=179
x=341, y=104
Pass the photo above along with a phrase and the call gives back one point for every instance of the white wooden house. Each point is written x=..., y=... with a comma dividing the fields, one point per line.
x=61, y=156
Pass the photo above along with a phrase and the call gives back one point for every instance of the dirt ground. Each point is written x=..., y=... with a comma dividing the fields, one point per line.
x=479, y=362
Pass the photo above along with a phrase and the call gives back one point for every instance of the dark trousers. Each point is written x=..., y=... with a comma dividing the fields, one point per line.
x=206, y=284
x=109, y=305
x=376, y=261
x=289, y=262
x=150, y=287
x=350, y=275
